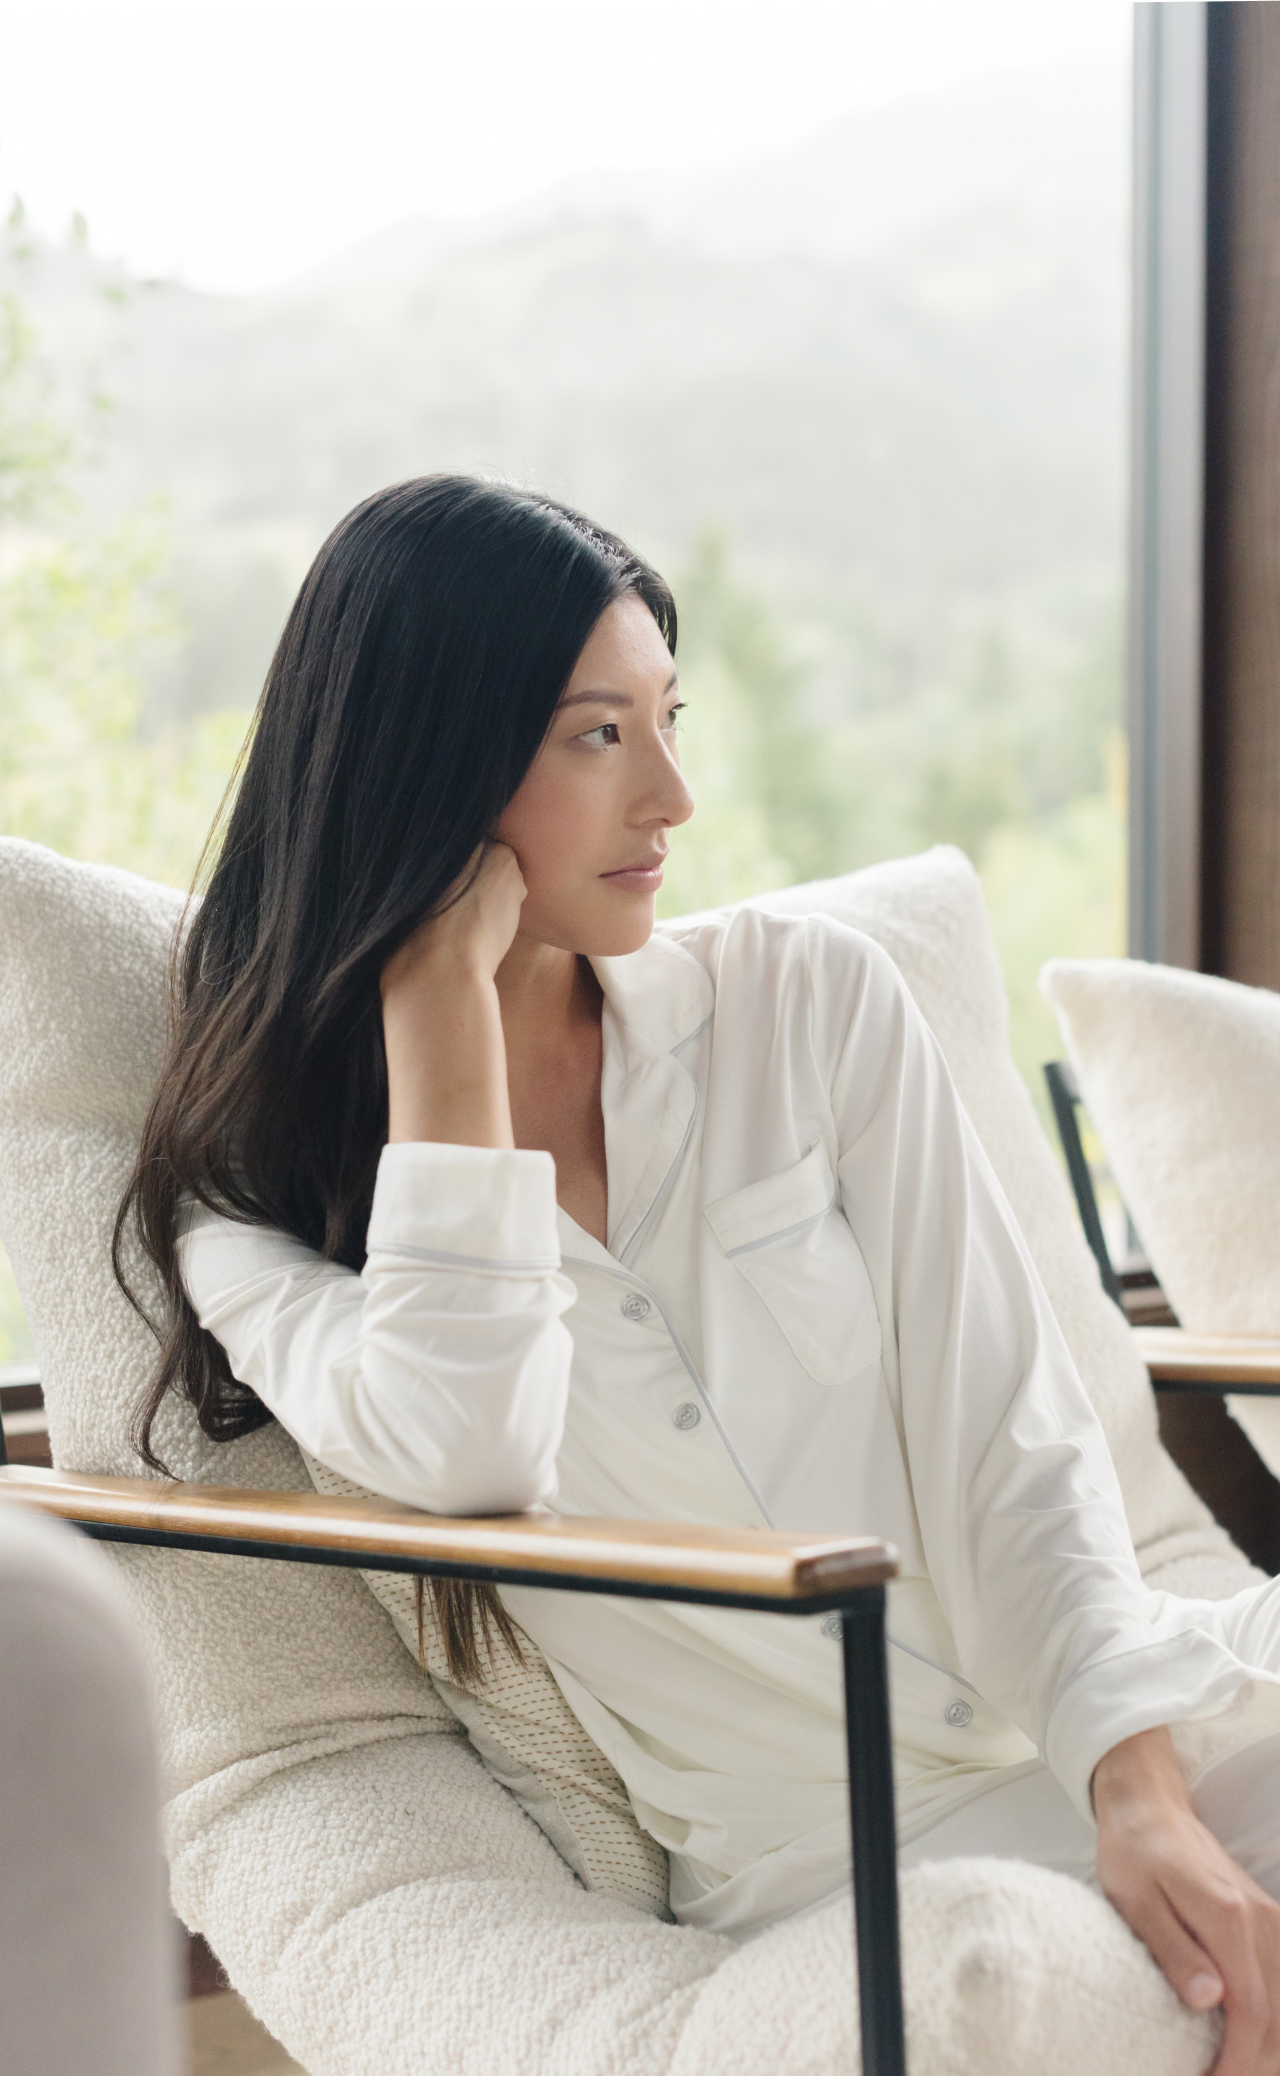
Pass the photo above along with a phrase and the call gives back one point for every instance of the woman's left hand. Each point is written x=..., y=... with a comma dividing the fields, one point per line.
x=1212, y=1930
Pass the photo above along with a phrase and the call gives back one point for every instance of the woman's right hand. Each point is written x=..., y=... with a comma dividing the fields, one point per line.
x=473, y=933
x=446, y=1057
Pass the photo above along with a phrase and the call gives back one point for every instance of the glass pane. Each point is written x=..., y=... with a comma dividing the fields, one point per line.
x=829, y=317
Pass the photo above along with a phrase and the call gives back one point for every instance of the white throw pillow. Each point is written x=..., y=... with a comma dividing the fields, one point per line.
x=1181, y=1075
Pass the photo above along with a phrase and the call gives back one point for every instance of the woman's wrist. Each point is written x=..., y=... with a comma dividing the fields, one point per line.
x=1140, y=1771
x=446, y=1057
x=434, y=975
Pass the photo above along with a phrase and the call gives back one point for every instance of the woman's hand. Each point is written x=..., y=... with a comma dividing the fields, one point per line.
x=446, y=1058
x=1212, y=1930
x=473, y=933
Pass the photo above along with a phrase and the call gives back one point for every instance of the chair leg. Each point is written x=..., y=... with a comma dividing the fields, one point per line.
x=875, y=1845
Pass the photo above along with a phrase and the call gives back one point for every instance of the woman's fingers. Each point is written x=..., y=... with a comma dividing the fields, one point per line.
x=1213, y=1931
x=473, y=927
x=1182, y=1960
x=1250, y=1962
x=1235, y=1928
x=441, y=1017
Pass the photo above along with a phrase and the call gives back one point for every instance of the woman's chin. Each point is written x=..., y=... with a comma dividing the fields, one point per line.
x=607, y=936
x=618, y=948
x=625, y=925
x=606, y=922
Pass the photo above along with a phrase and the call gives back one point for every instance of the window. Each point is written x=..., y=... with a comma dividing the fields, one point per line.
x=851, y=367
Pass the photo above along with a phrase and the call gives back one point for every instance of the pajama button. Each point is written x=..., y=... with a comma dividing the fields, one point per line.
x=959, y=1715
x=833, y=1627
x=686, y=1416
x=635, y=1306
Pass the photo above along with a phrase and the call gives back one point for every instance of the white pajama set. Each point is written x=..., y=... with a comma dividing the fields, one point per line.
x=815, y=1312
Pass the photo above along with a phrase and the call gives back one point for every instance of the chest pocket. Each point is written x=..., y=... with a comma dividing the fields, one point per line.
x=788, y=1237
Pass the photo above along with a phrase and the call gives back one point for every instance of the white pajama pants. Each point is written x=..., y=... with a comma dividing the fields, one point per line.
x=1030, y=1817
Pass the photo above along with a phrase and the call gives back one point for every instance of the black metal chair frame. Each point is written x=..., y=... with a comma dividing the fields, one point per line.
x=1064, y=1095
x=1066, y=1099
x=866, y=1690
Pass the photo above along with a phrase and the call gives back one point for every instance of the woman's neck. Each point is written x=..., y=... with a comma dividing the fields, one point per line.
x=551, y=1005
x=543, y=989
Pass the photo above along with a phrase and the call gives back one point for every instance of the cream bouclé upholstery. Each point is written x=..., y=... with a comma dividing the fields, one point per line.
x=530, y=1740
x=382, y=1901
x=1181, y=1075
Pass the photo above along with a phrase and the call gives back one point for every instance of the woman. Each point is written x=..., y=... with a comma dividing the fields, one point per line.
x=494, y=1199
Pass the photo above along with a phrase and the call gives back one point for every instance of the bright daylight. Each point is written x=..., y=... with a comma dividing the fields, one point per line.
x=639, y=1043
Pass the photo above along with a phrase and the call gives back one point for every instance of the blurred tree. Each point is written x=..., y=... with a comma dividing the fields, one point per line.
x=770, y=807
x=34, y=449
x=1015, y=756
x=969, y=781
x=83, y=619
x=1055, y=888
x=81, y=612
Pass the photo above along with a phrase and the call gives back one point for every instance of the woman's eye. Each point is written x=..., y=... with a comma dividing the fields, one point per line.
x=602, y=738
x=671, y=721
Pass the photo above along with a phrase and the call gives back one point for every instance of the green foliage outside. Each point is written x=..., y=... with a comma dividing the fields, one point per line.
x=1012, y=753
x=808, y=756
x=83, y=617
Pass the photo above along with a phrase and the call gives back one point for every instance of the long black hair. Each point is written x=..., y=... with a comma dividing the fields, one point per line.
x=414, y=683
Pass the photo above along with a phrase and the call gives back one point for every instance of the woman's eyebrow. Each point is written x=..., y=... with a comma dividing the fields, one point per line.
x=610, y=698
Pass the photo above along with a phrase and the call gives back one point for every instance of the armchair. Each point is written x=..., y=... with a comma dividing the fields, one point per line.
x=380, y=1901
x=772, y=1574
x=1201, y=1378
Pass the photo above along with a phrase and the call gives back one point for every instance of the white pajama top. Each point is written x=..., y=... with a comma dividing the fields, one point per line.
x=815, y=1312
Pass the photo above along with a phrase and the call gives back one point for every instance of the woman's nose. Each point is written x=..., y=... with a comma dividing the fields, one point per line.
x=667, y=797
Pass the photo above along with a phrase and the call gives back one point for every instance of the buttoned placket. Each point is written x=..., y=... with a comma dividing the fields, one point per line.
x=651, y=1110
x=642, y=1308
x=650, y=1128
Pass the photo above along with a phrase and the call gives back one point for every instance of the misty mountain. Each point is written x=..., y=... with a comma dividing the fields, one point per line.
x=887, y=364
x=1031, y=138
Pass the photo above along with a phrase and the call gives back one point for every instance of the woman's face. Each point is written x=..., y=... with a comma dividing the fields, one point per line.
x=589, y=825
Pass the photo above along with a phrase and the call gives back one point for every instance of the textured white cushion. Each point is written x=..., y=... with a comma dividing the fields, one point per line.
x=1181, y=1075
x=381, y=1901
x=530, y=1740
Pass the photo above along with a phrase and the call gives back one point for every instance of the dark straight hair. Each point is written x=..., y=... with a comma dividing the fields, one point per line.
x=414, y=683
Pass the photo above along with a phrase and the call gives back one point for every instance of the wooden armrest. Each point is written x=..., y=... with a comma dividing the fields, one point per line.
x=656, y=1559
x=1238, y=1362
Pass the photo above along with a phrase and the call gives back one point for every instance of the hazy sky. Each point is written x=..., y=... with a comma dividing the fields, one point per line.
x=236, y=145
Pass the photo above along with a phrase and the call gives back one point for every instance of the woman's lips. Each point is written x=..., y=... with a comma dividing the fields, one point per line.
x=644, y=878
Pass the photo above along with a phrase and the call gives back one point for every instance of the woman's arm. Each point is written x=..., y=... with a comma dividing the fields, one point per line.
x=1021, y=1516
x=1021, y=1513
x=438, y=1376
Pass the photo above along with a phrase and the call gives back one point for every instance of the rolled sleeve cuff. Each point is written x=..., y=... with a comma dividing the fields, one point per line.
x=477, y=1207
x=1180, y=1679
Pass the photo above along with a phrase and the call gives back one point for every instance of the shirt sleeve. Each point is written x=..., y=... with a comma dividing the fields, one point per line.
x=1021, y=1515
x=439, y=1375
